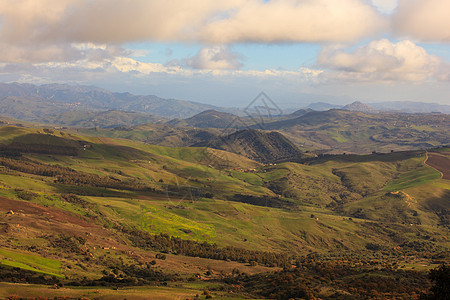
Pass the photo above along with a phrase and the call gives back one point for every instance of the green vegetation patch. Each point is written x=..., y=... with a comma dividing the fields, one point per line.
x=413, y=178
x=156, y=220
x=30, y=262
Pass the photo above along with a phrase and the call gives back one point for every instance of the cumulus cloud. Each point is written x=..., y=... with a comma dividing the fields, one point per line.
x=382, y=60
x=296, y=21
x=215, y=58
x=105, y=21
x=426, y=20
x=211, y=21
x=46, y=30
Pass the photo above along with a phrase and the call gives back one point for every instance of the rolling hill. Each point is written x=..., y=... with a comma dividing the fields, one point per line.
x=262, y=146
x=338, y=131
x=134, y=219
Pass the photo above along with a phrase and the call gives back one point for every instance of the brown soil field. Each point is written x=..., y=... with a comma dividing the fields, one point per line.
x=28, y=208
x=439, y=162
x=30, y=220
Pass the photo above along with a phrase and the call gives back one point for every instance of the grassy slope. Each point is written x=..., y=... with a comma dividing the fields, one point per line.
x=30, y=262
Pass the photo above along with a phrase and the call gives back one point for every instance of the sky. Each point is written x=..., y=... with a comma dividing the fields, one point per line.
x=226, y=52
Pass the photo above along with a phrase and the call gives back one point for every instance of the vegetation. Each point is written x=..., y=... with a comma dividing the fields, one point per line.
x=117, y=213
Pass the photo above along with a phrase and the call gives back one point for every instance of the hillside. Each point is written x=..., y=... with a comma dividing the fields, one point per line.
x=299, y=113
x=338, y=131
x=95, y=211
x=262, y=146
x=102, y=119
x=157, y=134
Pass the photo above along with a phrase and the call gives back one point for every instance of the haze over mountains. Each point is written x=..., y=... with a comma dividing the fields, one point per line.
x=391, y=106
x=57, y=98
x=354, y=128
x=48, y=103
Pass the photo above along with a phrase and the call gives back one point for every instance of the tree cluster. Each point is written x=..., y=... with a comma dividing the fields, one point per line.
x=65, y=175
x=169, y=244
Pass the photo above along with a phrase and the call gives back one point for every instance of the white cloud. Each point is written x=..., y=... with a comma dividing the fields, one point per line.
x=215, y=58
x=86, y=71
x=13, y=53
x=382, y=60
x=427, y=20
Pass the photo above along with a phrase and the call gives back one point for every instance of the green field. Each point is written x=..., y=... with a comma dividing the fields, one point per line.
x=30, y=262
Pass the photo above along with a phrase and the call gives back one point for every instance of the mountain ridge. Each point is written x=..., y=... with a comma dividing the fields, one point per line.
x=79, y=97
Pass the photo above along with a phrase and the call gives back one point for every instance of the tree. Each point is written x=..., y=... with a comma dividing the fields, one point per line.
x=441, y=279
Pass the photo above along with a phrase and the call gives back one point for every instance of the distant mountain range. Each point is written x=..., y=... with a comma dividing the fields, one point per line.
x=412, y=107
x=89, y=106
x=32, y=103
x=392, y=106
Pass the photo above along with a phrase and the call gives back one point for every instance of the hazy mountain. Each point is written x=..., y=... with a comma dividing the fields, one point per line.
x=206, y=119
x=411, y=107
x=320, y=106
x=399, y=106
x=48, y=99
x=359, y=106
x=299, y=113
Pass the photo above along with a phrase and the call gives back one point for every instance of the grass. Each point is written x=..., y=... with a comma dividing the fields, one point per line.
x=157, y=220
x=31, y=262
x=413, y=178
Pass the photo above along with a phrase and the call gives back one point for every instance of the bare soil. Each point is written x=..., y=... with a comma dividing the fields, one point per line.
x=439, y=162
